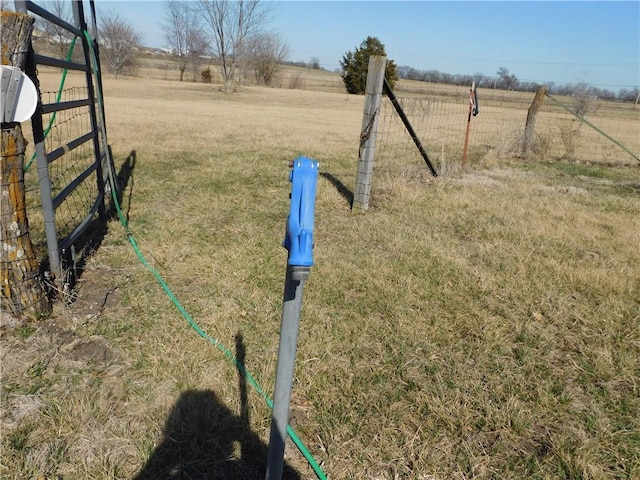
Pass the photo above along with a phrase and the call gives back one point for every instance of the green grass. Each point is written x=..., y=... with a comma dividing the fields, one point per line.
x=483, y=325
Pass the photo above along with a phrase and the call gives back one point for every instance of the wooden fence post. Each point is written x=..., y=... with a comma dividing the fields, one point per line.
x=22, y=292
x=529, y=141
x=373, y=98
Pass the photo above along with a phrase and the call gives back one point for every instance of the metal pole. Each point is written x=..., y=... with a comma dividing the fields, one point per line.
x=81, y=23
x=289, y=327
x=44, y=180
x=386, y=88
x=299, y=242
x=20, y=6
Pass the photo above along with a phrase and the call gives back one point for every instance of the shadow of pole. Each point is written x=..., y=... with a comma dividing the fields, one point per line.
x=75, y=257
x=203, y=439
x=342, y=189
x=242, y=381
x=122, y=181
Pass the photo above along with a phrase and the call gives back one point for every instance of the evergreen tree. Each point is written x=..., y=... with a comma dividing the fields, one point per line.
x=355, y=65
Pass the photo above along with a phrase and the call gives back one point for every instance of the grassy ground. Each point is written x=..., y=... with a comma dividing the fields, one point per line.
x=481, y=325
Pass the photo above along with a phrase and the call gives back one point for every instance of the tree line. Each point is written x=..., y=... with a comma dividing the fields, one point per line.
x=506, y=81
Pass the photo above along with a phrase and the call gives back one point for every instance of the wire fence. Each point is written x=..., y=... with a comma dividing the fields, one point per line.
x=440, y=120
x=71, y=175
x=64, y=179
x=69, y=125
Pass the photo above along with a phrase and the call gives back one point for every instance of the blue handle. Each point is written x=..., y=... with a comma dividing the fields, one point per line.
x=299, y=237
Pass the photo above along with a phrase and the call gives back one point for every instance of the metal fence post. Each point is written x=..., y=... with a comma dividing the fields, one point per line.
x=299, y=242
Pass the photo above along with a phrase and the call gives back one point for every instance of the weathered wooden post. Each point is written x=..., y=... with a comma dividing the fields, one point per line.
x=373, y=98
x=22, y=292
x=529, y=141
x=473, y=110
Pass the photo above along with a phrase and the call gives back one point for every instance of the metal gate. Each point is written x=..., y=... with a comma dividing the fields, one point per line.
x=75, y=168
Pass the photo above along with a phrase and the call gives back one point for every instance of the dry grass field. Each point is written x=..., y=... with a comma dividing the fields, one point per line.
x=483, y=324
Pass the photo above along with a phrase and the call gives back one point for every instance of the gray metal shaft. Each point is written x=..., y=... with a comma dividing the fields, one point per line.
x=48, y=211
x=294, y=284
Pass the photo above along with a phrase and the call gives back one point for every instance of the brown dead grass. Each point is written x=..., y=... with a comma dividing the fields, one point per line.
x=482, y=325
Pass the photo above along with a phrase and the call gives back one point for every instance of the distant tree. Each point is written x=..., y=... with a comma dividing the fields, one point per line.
x=120, y=42
x=355, y=65
x=199, y=46
x=506, y=80
x=463, y=80
x=403, y=71
x=184, y=34
x=479, y=78
x=314, y=63
x=446, y=78
x=206, y=75
x=629, y=95
x=607, y=94
x=54, y=34
x=409, y=73
x=528, y=86
x=297, y=63
x=585, y=99
x=433, y=76
x=265, y=53
x=232, y=24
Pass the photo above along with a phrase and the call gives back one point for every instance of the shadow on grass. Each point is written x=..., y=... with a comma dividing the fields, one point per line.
x=122, y=182
x=203, y=439
x=75, y=256
x=342, y=189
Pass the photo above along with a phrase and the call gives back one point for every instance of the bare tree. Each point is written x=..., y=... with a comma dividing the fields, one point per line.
x=54, y=34
x=266, y=52
x=198, y=43
x=585, y=99
x=232, y=23
x=505, y=80
x=184, y=34
x=120, y=43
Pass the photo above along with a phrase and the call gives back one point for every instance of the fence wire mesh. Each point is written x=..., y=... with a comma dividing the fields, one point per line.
x=17, y=264
x=440, y=121
x=61, y=128
x=68, y=126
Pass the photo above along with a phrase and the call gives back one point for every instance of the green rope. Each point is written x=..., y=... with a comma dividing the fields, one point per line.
x=582, y=119
x=225, y=351
x=58, y=96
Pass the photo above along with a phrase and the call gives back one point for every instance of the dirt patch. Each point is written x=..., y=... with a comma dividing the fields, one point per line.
x=93, y=296
x=92, y=350
x=38, y=355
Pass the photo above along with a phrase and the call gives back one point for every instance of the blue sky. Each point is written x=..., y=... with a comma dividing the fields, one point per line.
x=543, y=41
